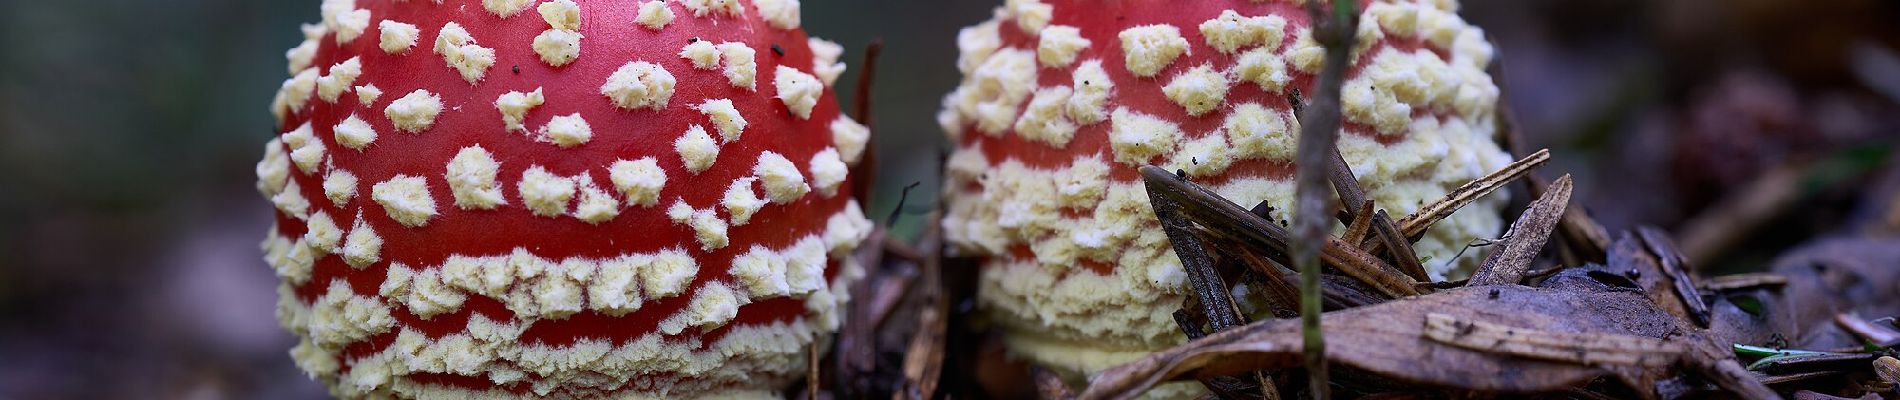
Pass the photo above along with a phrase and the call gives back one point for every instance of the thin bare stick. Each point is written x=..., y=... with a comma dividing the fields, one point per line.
x=1876, y=334
x=886, y=295
x=1526, y=238
x=1416, y=224
x=1402, y=253
x=923, y=359
x=1338, y=173
x=1281, y=288
x=1717, y=364
x=1780, y=379
x=1345, y=184
x=903, y=251
x=1677, y=269
x=1317, y=147
x=1356, y=231
x=1360, y=222
x=1266, y=281
x=812, y=355
x=1742, y=281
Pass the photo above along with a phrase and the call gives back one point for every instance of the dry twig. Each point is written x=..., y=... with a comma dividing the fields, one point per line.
x=1741, y=282
x=1878, y=335
x=1415, y=224
x=1766, y=379
x=811, y=375
x=1357, y=230
x=923, y=358
x=1674, y=268
x=1389, y=235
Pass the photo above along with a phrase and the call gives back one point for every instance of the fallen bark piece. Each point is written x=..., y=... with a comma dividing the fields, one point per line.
x=1394, y=340
x=1526, y=238
x=1586, y=349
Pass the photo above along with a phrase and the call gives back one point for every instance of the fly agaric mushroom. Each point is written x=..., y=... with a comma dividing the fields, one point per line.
x=565, y=198
x=1063, y=100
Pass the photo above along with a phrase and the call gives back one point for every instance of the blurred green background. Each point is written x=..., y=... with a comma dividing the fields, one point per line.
x=129, y=225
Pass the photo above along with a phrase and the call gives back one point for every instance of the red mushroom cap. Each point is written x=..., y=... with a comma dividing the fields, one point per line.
x=1062, y=100
x=571, y=198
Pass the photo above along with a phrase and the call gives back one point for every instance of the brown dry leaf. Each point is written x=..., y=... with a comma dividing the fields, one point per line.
x=1526, y=238
x=1392, y=340
x=1630, y=257
x=1825, y=278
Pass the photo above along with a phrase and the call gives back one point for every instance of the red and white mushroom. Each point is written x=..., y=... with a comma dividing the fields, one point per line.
x=1062, y=100
x=567, y=198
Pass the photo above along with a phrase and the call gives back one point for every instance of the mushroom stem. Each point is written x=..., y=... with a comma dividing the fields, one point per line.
x=1317, y=150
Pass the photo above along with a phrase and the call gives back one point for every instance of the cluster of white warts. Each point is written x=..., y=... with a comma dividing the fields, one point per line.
x=534, y=287
x=1081, y=322
x=638, y=84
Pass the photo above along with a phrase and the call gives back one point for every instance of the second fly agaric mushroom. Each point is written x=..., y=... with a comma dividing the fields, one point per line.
x=1062, y=101
x=565, y=198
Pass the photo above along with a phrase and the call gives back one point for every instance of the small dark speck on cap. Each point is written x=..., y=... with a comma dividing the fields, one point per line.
x=780, y=51
x=517, y=69
x=693, y=40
